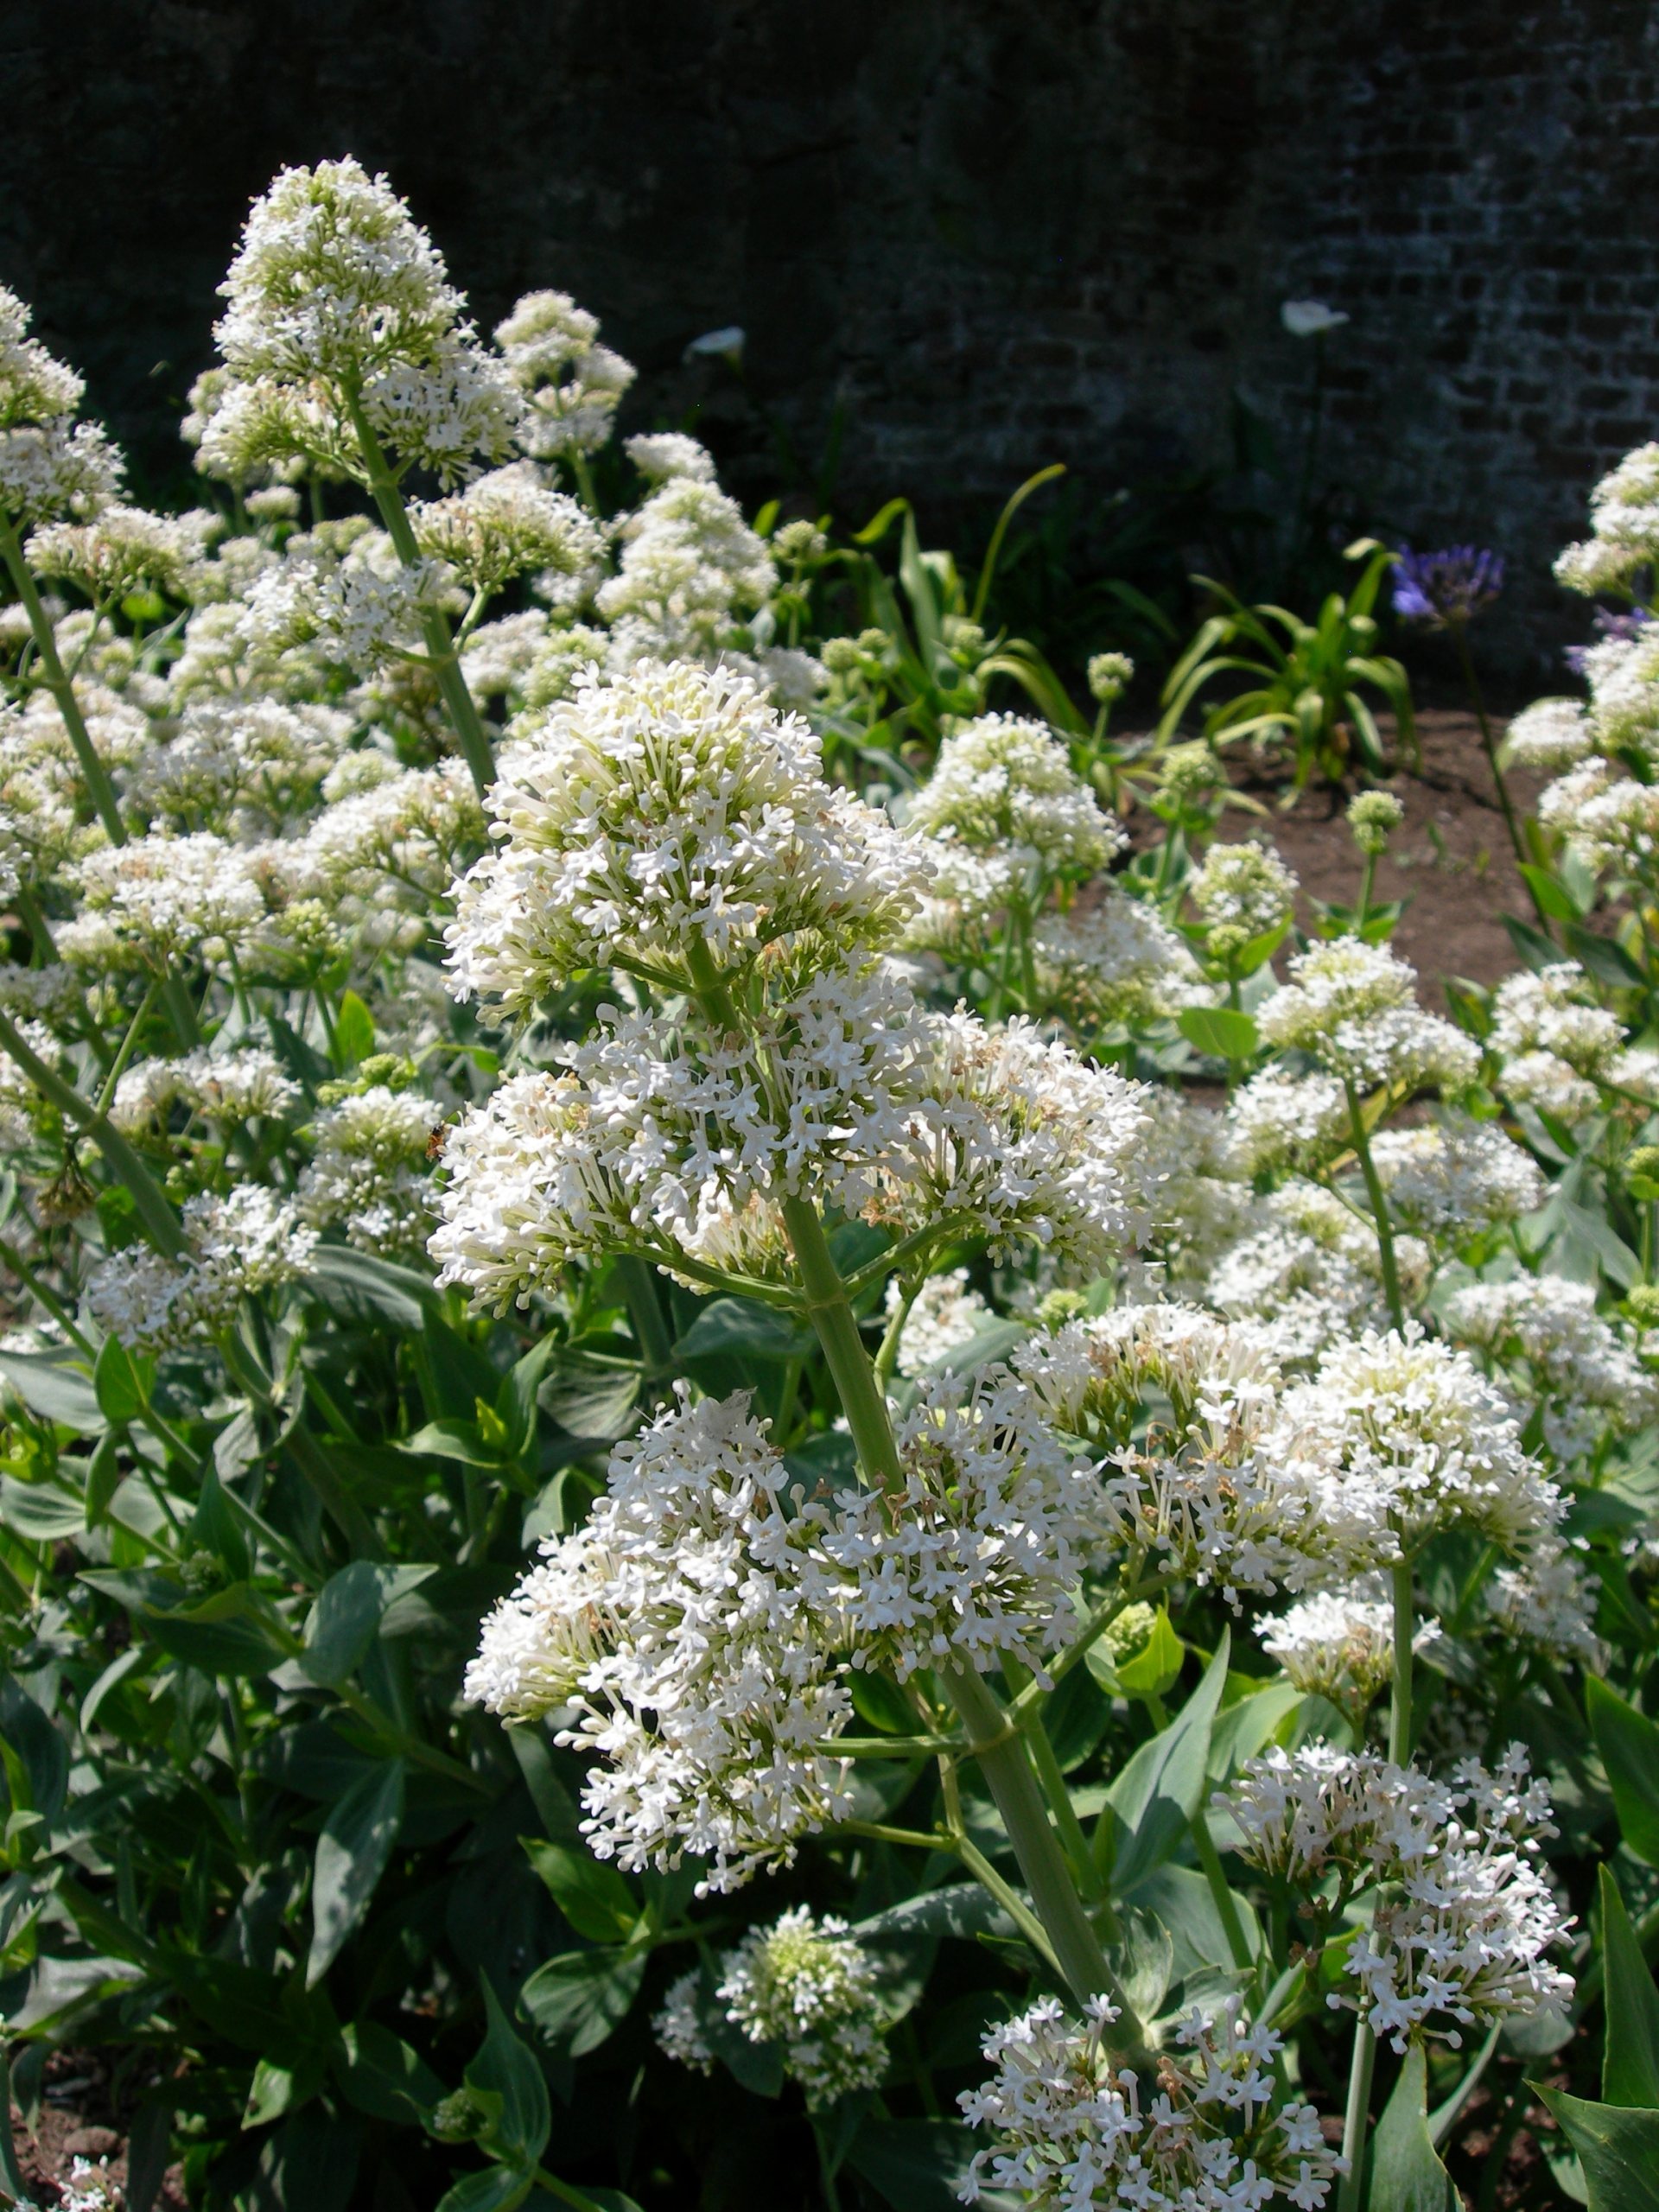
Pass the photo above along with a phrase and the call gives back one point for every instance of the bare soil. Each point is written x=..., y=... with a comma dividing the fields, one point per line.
x=80, y=2116
x=1450, y=862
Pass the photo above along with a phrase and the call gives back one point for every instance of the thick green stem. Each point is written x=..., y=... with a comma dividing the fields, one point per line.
x=459, y=703
x=651, y=1331
x=1374, y=1192
x=1400, y=1703
x=1356, y=2120
x=160, y=1221
x=96, y=776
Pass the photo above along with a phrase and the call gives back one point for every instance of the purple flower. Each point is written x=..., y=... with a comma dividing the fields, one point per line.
x=1607, y=625
x=1447, y=586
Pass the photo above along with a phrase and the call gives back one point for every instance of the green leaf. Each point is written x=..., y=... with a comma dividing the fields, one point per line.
x=361, y=1287
x=1604, y=958
x=38, y=1513
x=352, y=1854
x=1221, y=1031
x=1630, y=2060
x=345, y=1618
x=1156, y=1794
x=380, y=2074
x=1618, y=2148
x=10, y=2179
x=55, y=1390
x=353, y=1032
x=1553, y=896
x=1407, y=2175
x=103, y=1480
x=148, y=2145
x=453, y=1438
x=217, y=1527
x=742, y=1329
x=1629, y=1743
x=121, y=1383
x=498, y=2189
x=916, y=2166
x=506, y=2077
x=592, y=1894
x=278, y=2090
x=580, y=2000
x=1537, y=950
x=1157, y=1665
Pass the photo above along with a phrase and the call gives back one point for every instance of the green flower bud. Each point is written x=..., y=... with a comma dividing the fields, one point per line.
x=1109, y=674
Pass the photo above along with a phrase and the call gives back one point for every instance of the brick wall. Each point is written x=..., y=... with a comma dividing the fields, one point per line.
x=1000, y=236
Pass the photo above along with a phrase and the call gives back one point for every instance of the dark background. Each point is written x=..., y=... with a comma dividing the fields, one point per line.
x=996, y=235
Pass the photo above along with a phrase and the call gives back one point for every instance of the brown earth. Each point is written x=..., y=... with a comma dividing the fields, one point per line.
x=81, y=2115
x=1450, y=861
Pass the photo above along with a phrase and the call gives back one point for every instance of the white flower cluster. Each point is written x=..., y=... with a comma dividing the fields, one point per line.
x=690, y=572
x=1466, y=1919
x=671, y=807
x=943, y=1315
x=249, y=1240
x=571, y=384
x=1112, y=959
x=1073, y=2129
x=1005, y=815
x=1244, y=889
x=368, y=1174
x=671, y=1628
x=1624, y=528
x=1587, y=1375
x=50, y=465
x=1446, y=1179
x=123, y=549
x=228, y=1089
x=1310, y=1272
x=1353, y=1007
x=506, y=523
x=340, y=319
x=1339, y=1643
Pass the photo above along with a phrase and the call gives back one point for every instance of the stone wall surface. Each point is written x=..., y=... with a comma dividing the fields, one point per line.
x=1000, y=236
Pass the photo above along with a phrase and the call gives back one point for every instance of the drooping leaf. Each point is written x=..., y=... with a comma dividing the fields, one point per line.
x=1617, y=2147
x=380, y=2074
x=1629, y=2060
x=1407, y=2175
x=579, y=1999
x=591, y=1894
x=1629, y=1743
x=352, y=1854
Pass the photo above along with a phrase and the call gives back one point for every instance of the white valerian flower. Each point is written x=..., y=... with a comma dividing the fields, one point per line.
x=678, y=2025
x=1074, y=2128
x=160, y=900
x=225, y=1088
x=1218, y=1486
x=974, y=1553
x=1280, y=1119
x=1353, y=1007
x=1337, y=1643
x=691, y=572
x=1424, y=1441
x=672, y=1630
x=252, y=765
x=669, y=816
x=1465, y=1921
x=1113, y=960
x=1109, y=675
x=358, y=611
x=1245, y=889
x=50, y=465
x=506, y=523
x=1548, y=736
x=572, y=385
x=1310, y=1271
x=1555, y=1011
x=340, y=317
x=1451, y=1177
x=250, y=1240
x=1624, y=521
x=498, y=656
x=369, y=1173
x=123, y=549
x=1585, y=1371
x=659, y=454
x=807, y=1985
x=1548, y=1598
x=943, y=1315
x=1310, y=318
x=1004, y=793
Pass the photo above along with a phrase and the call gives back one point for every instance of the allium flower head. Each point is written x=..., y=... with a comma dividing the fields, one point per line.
x=671, y=808
x=1447, y=587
